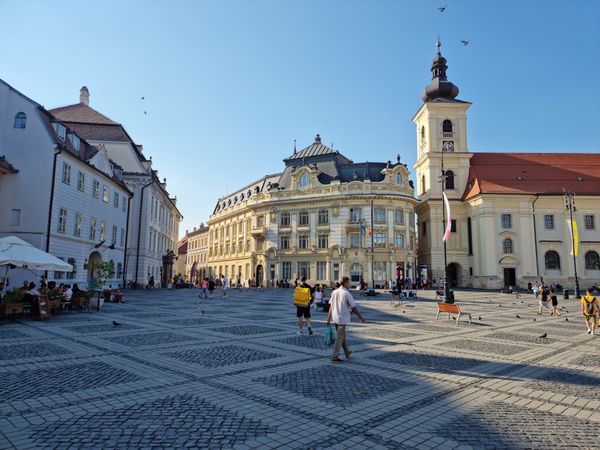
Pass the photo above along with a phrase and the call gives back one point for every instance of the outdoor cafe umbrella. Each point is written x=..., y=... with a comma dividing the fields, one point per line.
x=15, y=252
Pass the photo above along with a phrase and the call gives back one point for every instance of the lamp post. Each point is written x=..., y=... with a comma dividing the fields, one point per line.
x=570, y=206
x=447, y=295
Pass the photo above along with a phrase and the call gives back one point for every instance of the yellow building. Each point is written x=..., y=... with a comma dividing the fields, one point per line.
x=323, y=217
x=196, y=261
x=509, y=222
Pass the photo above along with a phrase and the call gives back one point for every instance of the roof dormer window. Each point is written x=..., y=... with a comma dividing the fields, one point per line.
x=60, y=129
x=399, y=179
x=74, y=140
x=303, y=181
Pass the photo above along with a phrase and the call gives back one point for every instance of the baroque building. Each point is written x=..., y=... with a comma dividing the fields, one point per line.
x=322, y=217
x=196, y=261
x=509, y=222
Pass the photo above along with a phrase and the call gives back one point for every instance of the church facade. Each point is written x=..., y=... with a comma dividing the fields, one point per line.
x=508, y=218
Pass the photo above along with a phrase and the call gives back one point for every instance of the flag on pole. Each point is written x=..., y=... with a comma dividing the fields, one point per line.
x=363, y=229
x=448, y=220
x=574, y=236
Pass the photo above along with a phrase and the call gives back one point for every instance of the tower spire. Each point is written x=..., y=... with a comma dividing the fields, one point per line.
x=439, y=87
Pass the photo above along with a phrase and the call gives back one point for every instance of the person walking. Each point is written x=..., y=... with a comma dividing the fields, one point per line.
x=341, y=305
x=554, y=311
x=545, y=293
x=303, y=297
x=225, y=284
x=211, y=287
x=590, y=310
x=204, y=286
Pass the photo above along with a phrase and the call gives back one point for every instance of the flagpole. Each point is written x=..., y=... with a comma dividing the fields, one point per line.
x=372, y=249
x=447, y=298
x=570, y=206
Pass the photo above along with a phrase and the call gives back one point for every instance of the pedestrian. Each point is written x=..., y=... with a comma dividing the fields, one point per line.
x=225, y=284
x=545, y=293
x=204, y=286
x=341, y=305
x=554, y=311
x=590, y=311
x=303, y=297
x=211, y=287
x=536, y=291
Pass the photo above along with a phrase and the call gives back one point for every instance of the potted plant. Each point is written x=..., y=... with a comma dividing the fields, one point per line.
x=104, y=270
x=12, y=303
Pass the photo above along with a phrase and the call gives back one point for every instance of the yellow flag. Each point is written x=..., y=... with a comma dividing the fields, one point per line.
x=575, y=238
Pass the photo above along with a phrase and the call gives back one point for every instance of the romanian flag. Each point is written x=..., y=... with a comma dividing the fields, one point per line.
x=574, y=236
x=365, y=230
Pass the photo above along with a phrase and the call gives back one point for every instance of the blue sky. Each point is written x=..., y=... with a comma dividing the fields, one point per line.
x=229, y=84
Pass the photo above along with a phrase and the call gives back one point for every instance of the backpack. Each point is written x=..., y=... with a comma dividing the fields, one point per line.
x=301, y=296
x=589, y=307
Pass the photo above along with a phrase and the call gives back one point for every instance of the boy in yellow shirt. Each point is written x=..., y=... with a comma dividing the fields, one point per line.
x=589, y=310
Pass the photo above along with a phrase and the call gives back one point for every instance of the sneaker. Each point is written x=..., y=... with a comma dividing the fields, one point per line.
x=588, y=331
x=348, y=354
x=300, y=332
x=310, y=331
x=336, y=359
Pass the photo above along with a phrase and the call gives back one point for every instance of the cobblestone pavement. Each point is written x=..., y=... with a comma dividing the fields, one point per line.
x=184, y=372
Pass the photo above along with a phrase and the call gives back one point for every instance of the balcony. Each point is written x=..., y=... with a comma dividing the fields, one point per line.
x=258, y=230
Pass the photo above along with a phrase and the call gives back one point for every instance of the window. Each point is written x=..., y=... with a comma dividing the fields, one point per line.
x=123, y=204
x=116, y=200
x=92, y=229
x=399, y=240
x=552, y=260
x=284, y=242
x=549, y=222
x=399, y=179
x=379, y=215
x=71, y=275
x=114, y=235
x=62, y=220
x=399, y=217
x=96, y=189
x=323, y=241
x=321, y=265
x=449, y=179
x=260, y=221
x=589, y=222
x=66, y=174
x=355, y=215
x=302, y=241
x=60, y=130
x=423, y=185
x=592, y=260
x=102, y=231
x=74, y=139
x=453, y=226
x=122, y=240
x=58, y=275
x=447, y=126
x=506, y=220
x=15, y=218
x=303, y=218
x=20, y=120
x=355, y=240
x=507, y=246
x=469, y=236
x=323, y=217
x=104, y=194
x=304, y=269
x=424, y=226
x=80, y=182
x=77, y=228
x=379, y=239
x=286, y=270
x=303, y=181
x=422, y=135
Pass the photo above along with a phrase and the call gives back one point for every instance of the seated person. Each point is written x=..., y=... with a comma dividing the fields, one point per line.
x=118, y=297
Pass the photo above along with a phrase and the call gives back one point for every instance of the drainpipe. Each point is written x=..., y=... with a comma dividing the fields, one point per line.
x=126, y=244
x=56, y=153
x=139, y=237
x=537, y=259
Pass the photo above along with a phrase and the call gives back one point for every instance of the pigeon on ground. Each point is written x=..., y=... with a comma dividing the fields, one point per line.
x=442, y=8
x=566, y=319
x=465, y=43
x=116, y=324
x=518, y=316
x=543, y=336
x=480, y=318
x=534, y=319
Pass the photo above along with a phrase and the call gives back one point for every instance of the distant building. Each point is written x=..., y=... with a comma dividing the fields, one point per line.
x=323, y=217
x=197, y=253
x=509, y=223
x=179, y=267
x=59, y=192
x=154, y=217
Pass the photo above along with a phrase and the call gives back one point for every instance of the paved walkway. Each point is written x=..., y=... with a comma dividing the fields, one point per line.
x=232, y=373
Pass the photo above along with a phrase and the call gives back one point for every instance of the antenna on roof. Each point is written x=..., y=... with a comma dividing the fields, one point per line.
x=294, y=146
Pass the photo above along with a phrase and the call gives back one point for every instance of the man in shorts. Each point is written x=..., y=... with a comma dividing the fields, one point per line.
x=303, y=297
x=342, y=304
x=589, y=309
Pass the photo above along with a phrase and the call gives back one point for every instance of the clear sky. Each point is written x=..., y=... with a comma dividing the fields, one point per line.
x=229, y=84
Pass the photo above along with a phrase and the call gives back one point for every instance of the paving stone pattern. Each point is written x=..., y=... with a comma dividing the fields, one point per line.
x=239, y=376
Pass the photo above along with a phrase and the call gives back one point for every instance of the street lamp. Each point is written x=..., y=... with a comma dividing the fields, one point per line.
x=569, y=198
x=448, y=298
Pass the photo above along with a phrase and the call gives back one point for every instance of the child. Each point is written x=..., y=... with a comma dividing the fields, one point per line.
x=554, y=302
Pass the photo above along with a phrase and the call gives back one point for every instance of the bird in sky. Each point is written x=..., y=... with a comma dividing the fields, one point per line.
x=143, y=98
x=145, y=112
x=543, y=336
x=442, y=8
x=465, y=43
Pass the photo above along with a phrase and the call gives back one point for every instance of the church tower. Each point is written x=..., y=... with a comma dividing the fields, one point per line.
x=441, y=125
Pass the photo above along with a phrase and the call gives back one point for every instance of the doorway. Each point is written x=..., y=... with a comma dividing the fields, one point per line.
x=259, y=275
x=93, y=260
x=510, y=276
x=453, y=275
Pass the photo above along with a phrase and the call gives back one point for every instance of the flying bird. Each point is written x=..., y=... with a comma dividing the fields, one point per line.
x=465, y=43
x=442, y=8
x=143, y=98
x=116, y=324
x=145, y=112
x=543, y=336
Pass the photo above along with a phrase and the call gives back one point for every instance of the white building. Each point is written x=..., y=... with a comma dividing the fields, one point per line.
x=59, y=192
x=153, y=215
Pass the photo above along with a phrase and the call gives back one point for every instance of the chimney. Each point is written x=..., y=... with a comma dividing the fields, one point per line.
x=84, y=95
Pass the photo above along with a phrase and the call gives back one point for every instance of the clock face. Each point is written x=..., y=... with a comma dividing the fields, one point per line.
x=448, y=146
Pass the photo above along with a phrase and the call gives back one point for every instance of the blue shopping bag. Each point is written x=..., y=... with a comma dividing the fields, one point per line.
x=329, y=337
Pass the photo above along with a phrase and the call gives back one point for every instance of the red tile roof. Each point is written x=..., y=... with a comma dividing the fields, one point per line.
x=533, y=173
x=81, y=113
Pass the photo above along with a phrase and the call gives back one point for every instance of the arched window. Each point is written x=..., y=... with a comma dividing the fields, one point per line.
x=422, y=134
x=552, y=260
x=507, y=246
x=592, y=260
x=449, y=179
x=423, y=184
x=447, y=126
x=20, y=120
x=399, y=179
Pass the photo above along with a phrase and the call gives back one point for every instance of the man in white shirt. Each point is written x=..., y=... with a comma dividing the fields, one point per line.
x=225, y=283
x=341, y=305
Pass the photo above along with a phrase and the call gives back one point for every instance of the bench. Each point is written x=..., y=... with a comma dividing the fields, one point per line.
x=450, y=309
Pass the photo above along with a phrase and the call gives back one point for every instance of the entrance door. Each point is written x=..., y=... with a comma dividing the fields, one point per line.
x=94, y=259
x=510, y=277
x=453, y=273
x=259, y=275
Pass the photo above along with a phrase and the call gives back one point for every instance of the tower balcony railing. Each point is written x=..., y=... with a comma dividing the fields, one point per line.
x=447, y=134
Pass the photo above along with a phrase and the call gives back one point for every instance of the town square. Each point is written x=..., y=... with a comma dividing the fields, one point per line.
x=299, y=224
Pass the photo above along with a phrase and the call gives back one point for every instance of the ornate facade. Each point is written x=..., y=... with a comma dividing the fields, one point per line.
x=323, y=217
